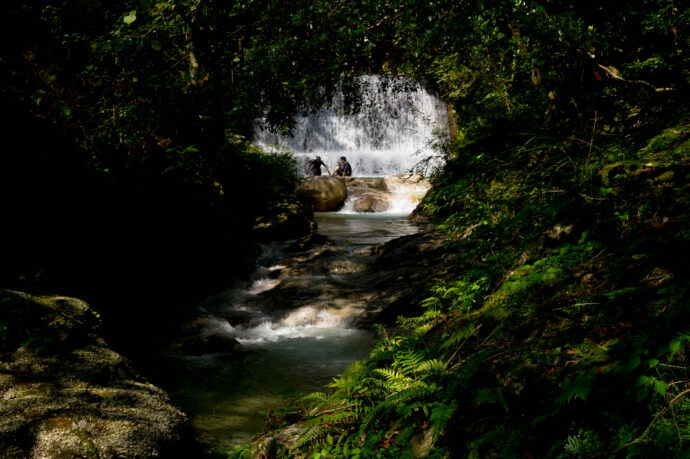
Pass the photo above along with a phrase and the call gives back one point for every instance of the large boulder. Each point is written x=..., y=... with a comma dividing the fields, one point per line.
x=324, y=192
x=65, y=393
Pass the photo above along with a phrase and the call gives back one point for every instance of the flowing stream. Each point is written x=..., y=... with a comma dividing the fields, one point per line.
x=294, y=319
x=227, y=395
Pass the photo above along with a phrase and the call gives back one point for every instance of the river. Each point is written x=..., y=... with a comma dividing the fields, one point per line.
x=226, y=395
x=295, y=319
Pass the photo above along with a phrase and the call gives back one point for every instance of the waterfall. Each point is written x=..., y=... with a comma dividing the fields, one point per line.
x=394, y=131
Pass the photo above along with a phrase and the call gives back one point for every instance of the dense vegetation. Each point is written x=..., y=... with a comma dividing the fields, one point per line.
x=123, y=161
x=566, y=192
x=564, y=332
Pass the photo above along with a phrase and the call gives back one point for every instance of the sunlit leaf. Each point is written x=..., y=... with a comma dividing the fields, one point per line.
x=660, y=387
x=130, y=18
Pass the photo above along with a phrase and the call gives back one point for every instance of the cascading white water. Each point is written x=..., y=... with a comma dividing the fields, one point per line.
x=393, y=133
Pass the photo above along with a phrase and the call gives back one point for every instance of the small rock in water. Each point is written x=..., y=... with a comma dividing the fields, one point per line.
x=206, y=335
x=416, y=178
x=370, y=203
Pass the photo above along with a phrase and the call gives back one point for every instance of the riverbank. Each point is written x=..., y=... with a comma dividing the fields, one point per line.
x=561, y=332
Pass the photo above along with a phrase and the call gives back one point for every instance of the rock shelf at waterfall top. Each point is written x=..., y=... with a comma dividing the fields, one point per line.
x=396, y=194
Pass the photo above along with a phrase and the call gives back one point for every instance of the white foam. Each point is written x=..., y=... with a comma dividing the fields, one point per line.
x=304, y=322
x=218, y=325
x=267, y=332
x=320, y=318
x=403, y=199
x=262, y=285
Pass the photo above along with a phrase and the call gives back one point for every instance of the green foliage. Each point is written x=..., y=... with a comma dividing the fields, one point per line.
x=561, y=333
x=580, y=388
x=563, y=330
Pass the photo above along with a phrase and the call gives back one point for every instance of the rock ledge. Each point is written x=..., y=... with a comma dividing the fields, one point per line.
x=65, y=393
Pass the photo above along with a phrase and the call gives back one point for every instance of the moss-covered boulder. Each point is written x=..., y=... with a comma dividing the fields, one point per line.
x=65, y=393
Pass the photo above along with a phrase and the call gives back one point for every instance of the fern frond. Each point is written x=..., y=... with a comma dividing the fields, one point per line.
x=312, y=434
x=411, y=392
x=410, y=361
x=375, y=416
x=394, y=380
x=316, y=396
x=457, y=336
x=432, y=365
x=440, y=416
x=390, y=374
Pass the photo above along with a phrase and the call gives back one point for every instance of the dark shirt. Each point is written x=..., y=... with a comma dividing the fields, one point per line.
x=347, y=169
x=315, y=166
x=344, y=169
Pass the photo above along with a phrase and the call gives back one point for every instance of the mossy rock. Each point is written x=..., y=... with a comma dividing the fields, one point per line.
x=66, y=394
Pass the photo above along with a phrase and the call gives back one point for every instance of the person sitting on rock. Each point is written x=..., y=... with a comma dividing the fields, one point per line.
x=343, y=169
x=315, y=166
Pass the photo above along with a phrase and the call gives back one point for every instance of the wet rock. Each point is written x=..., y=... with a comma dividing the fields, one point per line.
x=394, y=181
x=369, y=195
x=376, y=183
x=372, y=202
x=64, y=393
x=374, y=285
x=347, y=266
x=309, y=242
x=414, y=178
x=324, y=192
x=399, y=272
x=378, y=194
x=291, y=222
x=205, y=335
